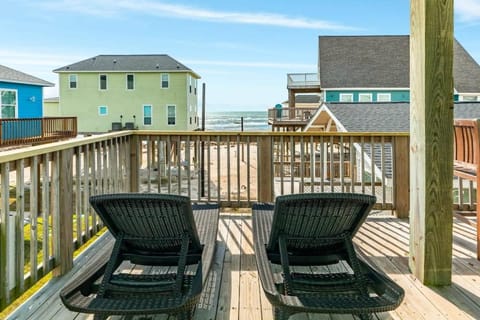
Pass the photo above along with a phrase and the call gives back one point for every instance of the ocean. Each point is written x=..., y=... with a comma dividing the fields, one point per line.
x=231, y=121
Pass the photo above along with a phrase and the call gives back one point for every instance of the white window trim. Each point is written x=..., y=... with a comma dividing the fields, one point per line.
x=100, y=113
x=172, y=105
x=473, y=97
x=151, y=115
x=16, y=102
x=70, y=82
x=161, y=81
x=385, y=94
x=126, y=81
x=364, y=94
x=342, y=95
x=100, y=82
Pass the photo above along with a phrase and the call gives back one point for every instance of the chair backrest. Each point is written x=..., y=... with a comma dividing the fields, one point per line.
x=466, y=143
x=317, y=215
x=149, y=222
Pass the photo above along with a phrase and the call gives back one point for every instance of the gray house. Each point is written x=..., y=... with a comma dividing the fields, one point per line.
x=376, y=69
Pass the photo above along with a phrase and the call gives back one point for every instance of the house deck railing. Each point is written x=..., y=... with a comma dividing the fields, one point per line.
x=303, y=80
x=14, y=132
x=44, y=205
x=300, y=115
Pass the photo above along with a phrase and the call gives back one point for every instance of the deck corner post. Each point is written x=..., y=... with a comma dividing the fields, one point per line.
x=265, y=169
x=401, y=177
x=66, y=213
x=431, y=141
x=135, y=156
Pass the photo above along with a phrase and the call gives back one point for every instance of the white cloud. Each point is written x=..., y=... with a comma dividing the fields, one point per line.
x=112, y=7
x=468, y=10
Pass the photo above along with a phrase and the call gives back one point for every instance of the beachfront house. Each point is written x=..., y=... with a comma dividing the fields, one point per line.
x=376, y=69
x=364, y=69
x=114, y=92
x=22, y=120
x=21, y=94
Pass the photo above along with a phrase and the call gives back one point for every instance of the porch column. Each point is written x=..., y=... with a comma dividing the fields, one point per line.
x=431, y=140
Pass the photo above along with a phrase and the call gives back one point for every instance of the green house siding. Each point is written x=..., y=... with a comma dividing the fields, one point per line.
x=396, y=95
x=96, y=109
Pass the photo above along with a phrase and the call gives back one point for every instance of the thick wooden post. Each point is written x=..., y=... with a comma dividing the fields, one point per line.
x=401, y=174
x=135, y=156
x=265, y=169
x=65, y=199
x=431, y=140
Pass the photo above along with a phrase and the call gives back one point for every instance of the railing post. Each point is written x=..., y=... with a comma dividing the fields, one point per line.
x=65, y=212
x=265, y=169
x=135, y=156
x=401, y=177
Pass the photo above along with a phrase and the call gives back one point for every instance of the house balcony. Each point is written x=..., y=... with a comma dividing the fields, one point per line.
x=29, y=131
x=307, y=81
x=46, y=215
x=289, y=119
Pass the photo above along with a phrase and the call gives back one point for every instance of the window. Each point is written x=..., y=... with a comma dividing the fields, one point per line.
x=130, y=82
x=469, y=98
x=346, y=97
x=72, y=81
x=195, y=90
x=190, y=84
x=103, y=82
x=147, y=115
x=364, y=97
x=8, y=103
x=102, y=110
x=171, y=115
x=384, y=97
x=164, y=79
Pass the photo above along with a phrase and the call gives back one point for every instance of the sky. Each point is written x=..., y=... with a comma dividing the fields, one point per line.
x=243, y=49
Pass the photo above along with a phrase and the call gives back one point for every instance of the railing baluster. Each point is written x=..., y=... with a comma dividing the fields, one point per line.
x=20, y=222
x=34, y=219
x=5, y=237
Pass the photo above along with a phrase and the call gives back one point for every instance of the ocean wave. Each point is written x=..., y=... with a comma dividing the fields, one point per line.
x=232, y=120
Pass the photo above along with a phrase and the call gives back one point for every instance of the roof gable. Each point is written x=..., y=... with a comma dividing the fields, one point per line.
x=14, y=76
x=128, y=63
x=383, y=62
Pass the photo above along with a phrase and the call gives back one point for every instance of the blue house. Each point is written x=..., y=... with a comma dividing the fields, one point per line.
x=21, y=95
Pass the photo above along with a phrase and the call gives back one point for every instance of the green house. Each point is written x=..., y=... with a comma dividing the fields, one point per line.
x=115, y=92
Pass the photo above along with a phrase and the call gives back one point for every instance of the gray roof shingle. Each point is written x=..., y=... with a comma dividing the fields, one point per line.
x=127, y=63
x=383, y=62
x=388, y=117
x=14, y=76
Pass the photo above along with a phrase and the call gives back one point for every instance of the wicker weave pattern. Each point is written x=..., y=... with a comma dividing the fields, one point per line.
x=150, y=230
x=316, y=230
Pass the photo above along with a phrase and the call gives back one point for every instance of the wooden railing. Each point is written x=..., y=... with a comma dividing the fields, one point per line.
x=290, y=114
x=36, y=130
x=44, y=208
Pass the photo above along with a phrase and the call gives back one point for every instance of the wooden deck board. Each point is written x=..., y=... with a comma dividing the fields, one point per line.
x=237, y=293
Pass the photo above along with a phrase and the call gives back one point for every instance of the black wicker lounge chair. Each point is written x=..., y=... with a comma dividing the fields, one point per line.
x=306, y=259
x=154, y=230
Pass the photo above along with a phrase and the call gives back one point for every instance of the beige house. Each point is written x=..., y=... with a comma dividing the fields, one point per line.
x=113, y=92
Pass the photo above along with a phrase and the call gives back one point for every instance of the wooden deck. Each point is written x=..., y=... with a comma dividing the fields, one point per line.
x=235, y=292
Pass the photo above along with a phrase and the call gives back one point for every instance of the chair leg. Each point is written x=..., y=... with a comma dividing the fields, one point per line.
x=366, y=316
x=186, y=315
x=100, y=316
x=280, y=314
